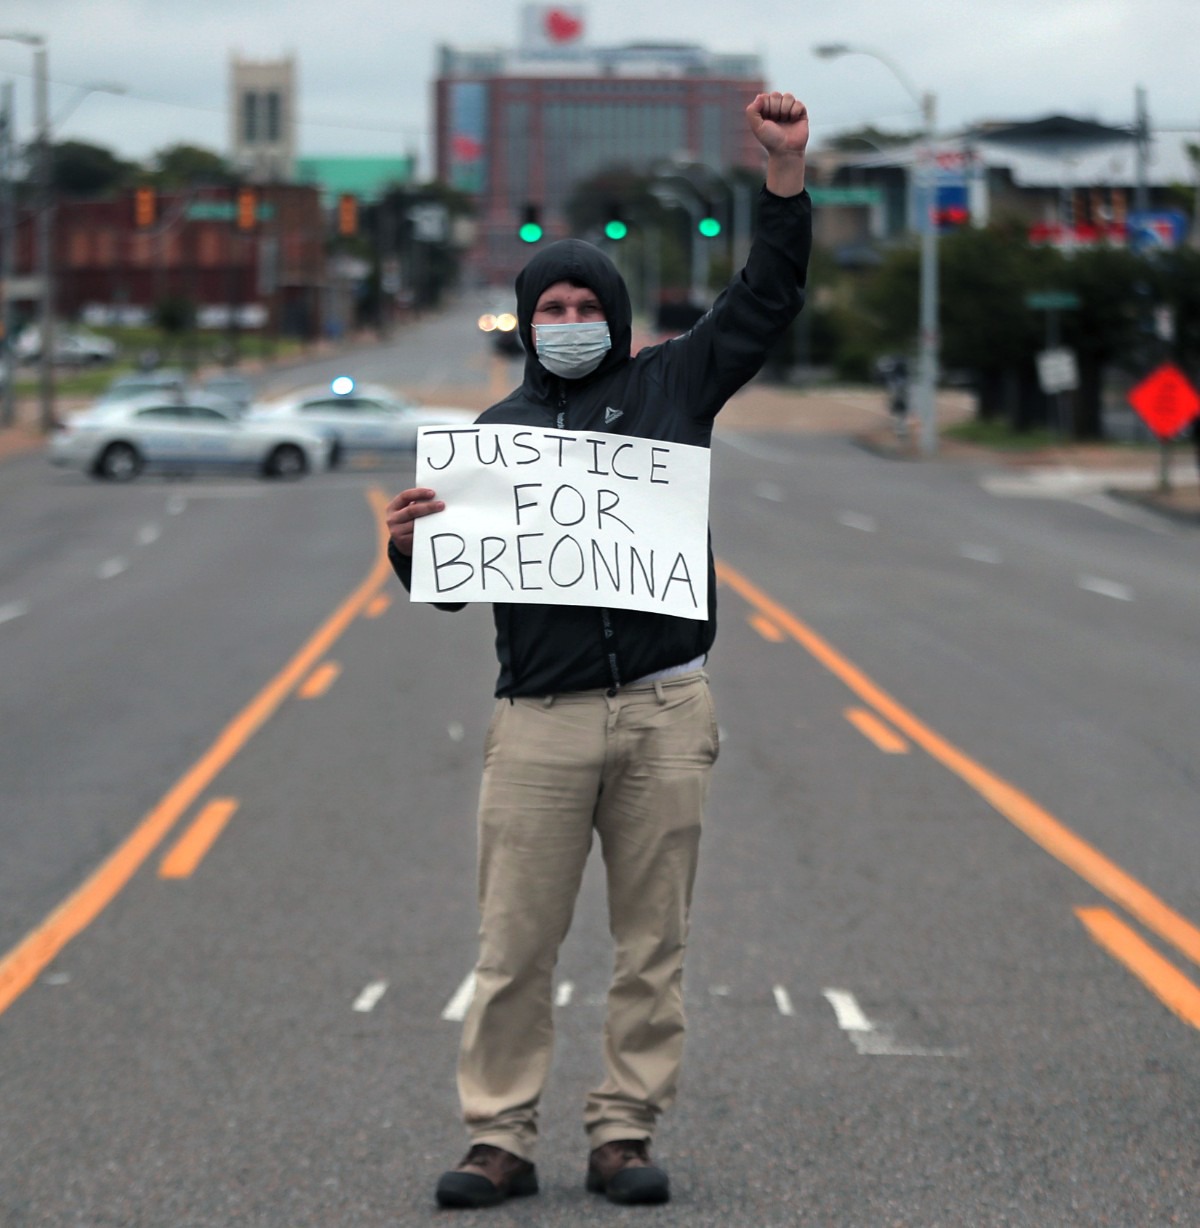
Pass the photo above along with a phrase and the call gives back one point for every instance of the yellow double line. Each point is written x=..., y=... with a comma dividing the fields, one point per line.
x=21, y=966
x=1120, y=940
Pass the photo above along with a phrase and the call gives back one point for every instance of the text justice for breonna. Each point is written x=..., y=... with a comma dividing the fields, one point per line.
x=560, y=517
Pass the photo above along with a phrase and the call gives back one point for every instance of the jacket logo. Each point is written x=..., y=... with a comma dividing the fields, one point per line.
x=611, y=415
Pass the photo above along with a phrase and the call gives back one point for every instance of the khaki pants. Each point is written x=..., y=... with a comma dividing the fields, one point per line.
x=635, y=768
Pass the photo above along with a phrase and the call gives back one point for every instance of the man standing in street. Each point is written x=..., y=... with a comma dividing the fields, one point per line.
x=603, y=721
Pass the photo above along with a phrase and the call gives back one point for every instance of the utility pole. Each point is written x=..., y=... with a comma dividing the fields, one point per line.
x=1141, y=198
x=8, y=414
x=927, y=354
x=45, y=234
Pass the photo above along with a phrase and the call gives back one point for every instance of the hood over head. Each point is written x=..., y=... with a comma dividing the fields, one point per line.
x=577, y=261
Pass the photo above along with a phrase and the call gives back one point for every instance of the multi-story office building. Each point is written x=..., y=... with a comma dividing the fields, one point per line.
x=520, y=128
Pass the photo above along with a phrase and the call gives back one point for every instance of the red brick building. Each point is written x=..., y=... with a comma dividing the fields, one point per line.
x=270, y=269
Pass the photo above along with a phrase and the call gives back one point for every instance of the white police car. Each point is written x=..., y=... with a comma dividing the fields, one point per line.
x=365, y=418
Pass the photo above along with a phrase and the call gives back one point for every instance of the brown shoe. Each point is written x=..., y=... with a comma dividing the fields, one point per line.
x=486, y=1176
x=623, y=1172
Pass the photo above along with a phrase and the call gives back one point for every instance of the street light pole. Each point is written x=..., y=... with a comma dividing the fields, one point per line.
x=41, y=107
x=929, y=340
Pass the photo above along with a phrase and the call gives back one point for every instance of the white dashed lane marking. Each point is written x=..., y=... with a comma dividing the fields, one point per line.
x=369, y=998
x=13, y=609
x=456, y=1009
x=1106, y=588
x=783, y=1000
x=869, y=1039
x=979, y=554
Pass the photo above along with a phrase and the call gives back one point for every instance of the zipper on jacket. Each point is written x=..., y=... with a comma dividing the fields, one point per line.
x=610, y=652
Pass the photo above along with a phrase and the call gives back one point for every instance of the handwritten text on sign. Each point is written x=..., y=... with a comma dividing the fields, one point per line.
x=564, y=518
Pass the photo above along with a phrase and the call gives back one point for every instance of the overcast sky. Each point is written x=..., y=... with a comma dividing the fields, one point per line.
x=365, y=67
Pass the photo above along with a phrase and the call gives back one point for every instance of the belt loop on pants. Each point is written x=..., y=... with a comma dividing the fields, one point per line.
x=548, y=701
x=658, y=691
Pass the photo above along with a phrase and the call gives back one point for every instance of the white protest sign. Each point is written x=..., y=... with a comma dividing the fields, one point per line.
x=543, y=516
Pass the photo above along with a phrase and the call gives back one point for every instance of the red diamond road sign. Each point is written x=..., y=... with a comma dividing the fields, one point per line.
x=1165, y=400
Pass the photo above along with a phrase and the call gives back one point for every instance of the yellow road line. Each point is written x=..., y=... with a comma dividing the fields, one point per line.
x=870, y=726
x=1023, y=812
x=190, y=849
x=1163, y=979
x=767, y=629
x=22, y=965
x=320, y=680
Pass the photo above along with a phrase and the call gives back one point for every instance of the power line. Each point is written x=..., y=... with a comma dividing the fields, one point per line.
x=303, y=120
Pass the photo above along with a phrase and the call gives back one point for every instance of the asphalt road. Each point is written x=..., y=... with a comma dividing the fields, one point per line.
x=943, y=967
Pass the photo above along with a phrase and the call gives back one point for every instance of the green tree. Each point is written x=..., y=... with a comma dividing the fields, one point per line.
x=182, y=165
x=81, y=169
x=987, y=325
x=1104, y=329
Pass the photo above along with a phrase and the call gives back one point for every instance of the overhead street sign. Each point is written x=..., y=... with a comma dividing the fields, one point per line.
x=223, y=211
x=1051, y=300
x=1165, y=400
x=846, y=196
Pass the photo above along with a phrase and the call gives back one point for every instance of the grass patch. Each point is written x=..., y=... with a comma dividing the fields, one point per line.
x=1003, y=438
x=1000, y=435
x=189, y=351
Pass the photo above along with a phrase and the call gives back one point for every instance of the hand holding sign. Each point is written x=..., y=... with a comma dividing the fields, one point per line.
x=404, y=510
x=557, y=517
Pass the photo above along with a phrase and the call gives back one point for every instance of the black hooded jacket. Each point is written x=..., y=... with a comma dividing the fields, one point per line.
x=672, y=392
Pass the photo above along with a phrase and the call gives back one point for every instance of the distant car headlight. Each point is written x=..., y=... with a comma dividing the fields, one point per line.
x=506, y=322
x=487, y=322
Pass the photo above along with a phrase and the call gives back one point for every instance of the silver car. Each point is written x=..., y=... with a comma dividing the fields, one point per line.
x=361, y=419
x=118, y=441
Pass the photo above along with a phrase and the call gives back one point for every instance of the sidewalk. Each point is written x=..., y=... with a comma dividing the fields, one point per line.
x=25, y=434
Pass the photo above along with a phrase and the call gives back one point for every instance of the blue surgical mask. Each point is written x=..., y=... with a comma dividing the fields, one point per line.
x=571, y=350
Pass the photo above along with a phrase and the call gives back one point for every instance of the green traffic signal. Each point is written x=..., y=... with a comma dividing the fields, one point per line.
x=709, y=227
x=530, y=232
x=615, y=229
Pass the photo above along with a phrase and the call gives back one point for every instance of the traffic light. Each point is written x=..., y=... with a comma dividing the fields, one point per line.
x=709, y=224
x=247, y=208
x=530, y=230
x=145, y=207
x=615, y=226
x=347, y=214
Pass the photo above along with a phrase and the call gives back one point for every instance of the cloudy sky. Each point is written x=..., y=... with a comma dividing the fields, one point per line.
x=365, y=66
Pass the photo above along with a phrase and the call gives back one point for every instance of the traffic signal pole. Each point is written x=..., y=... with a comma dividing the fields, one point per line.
x=7, y=254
